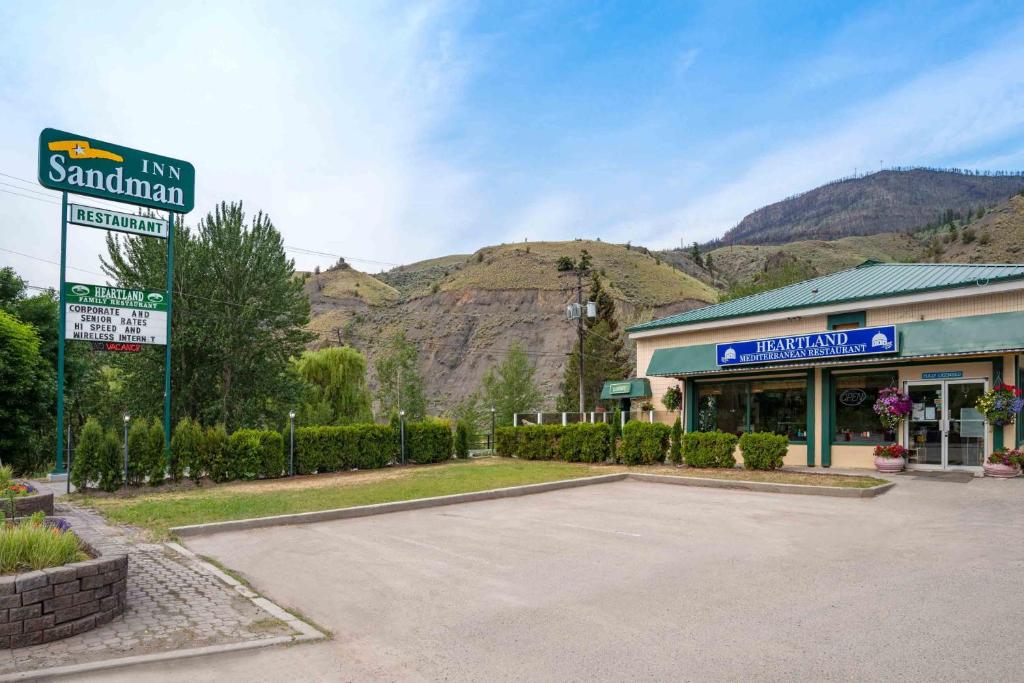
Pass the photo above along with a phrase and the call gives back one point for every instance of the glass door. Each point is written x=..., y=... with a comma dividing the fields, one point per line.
x=966, y=430
x=924, y=427
x=944, y=428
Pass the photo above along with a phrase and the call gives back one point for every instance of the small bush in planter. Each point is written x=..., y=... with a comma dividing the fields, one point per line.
x=33, y=545
x=644, y=443
x=763, y=450
x=709, y=449
x=1007, y=456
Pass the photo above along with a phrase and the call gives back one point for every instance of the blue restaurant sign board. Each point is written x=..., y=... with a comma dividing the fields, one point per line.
x=862, y=341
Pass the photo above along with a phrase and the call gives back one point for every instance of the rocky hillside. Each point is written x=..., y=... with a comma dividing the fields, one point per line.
x=464, y=312
x=888, y=201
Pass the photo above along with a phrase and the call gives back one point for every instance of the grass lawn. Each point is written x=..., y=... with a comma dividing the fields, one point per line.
x=157, y=511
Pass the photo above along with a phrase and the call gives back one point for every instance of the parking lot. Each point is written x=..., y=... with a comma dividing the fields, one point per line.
x=634, y=580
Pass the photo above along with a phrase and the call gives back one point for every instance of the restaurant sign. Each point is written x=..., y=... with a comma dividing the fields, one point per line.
x=862, y=341
x=97, y=313
x=619, y=388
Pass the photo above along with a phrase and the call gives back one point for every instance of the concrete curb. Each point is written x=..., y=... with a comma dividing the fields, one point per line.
x=384, y=508
x=764, y=486
x=512, y=491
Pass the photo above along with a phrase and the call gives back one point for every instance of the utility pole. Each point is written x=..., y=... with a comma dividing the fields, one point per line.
x=579, y=327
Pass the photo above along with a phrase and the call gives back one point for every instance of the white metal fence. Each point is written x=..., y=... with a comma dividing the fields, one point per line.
x=595, y=417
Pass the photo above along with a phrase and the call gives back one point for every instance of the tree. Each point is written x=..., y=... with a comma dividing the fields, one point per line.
x=239, y=316
x=675, y=449
x=604, y=354
x=401, y=387
x=510, y=387
x=695, y=254
x=473, y=416
x=337, y=392
x=25, y=390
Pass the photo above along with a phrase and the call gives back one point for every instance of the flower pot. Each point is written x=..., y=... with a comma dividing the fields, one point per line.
x=890, y=464
x=1001, y=471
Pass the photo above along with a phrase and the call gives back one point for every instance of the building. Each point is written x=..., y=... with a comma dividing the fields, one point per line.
x=809, y=359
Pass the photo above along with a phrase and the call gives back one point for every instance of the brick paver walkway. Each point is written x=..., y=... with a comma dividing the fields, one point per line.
x=172, y=605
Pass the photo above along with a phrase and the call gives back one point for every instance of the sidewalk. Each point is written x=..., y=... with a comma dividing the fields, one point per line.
x=172, y=604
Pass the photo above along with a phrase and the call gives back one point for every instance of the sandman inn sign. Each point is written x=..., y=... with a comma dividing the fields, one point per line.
x=75, y=163
x=862, y=341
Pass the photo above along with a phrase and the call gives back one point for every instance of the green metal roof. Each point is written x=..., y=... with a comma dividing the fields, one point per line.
x=626, y=388
x=870, y=280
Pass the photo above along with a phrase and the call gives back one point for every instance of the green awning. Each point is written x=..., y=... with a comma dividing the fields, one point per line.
x=968, y=335
x=626, y=388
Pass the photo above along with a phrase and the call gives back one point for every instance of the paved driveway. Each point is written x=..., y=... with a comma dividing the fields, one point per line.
x=641, y=581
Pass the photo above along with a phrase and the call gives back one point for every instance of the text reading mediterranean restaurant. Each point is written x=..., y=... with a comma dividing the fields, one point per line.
x=809, y=359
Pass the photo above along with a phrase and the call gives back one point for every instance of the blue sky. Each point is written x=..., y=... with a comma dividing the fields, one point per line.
x=394, y=132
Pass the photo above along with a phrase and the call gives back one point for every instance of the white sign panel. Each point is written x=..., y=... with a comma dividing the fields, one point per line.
x=91, y=217
x=98, y=313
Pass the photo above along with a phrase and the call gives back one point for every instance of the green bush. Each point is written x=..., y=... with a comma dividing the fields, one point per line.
x=339, y=448
x=252, y=454
x=156, y=455
x=34, y=545
x=763, y=450
x=461, y=440
x=538, y=442
x=110, y=463
x=505, y=441
x=186, y=443
x=139, y=460
x=428, y=441
x=213, y=453
x=85, y=464
x=675, y=449
x=709, y=449
x=644, y=443
x=583, y=442
x=272, y=459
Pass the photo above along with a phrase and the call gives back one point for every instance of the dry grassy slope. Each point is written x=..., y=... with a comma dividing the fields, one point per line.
x=743, y=262
x=464, y=313
x=348, y=283
x=999, y=237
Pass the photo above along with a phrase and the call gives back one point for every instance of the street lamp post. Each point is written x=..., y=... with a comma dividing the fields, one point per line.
x=127, y=419
x=492, y=444
x=291, y=446
x=401, y=428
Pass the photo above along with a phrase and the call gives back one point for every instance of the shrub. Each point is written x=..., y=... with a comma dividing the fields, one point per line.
x=709, y=449
x=585, y=442
x=537, y=442
x=213, y=452
x=186, y=443
x=157, y=457
x=428, y=441
x=272, y=458
x=34, y=545
x=85, y=465
x=375, y=446
x=332, y=449
x=138, y=451
x=252, y=453
x=505, y=441
x=763, y=450
x=461, y=440
x=675, y=449
x=110, y=463
x=644, y=443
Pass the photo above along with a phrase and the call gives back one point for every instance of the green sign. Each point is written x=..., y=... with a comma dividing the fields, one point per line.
x=92, y=217
x=101, y=295
x=74, y=163
x=620, y=388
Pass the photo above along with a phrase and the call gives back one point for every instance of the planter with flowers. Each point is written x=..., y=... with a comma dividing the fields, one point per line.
x=20, y=498
x=890, y=458
x=1001, y=404
x=1004, y=463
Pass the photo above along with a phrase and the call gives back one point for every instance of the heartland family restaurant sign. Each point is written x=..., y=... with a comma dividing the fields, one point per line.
x=75, y=163
x=97, y=313
x=91, y=217
x=861, y=341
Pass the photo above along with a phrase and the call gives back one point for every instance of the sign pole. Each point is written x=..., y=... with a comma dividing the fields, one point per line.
x=58, y=467
x=167, y=346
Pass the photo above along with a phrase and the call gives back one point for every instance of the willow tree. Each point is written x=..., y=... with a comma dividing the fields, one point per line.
x=338, y=392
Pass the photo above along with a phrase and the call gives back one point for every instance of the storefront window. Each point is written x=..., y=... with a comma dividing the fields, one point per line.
x=778, y=406
x=854, y=400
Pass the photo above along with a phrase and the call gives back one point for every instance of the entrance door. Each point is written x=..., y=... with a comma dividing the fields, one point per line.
x=944, y=429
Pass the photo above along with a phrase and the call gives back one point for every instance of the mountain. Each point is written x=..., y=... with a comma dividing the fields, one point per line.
x=887, y=201
x=464, y=311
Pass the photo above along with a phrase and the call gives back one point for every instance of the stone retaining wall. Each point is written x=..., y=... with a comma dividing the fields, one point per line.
x=25, y=506
x=50, y=604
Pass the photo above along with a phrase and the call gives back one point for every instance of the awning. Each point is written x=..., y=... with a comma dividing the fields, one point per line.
x=626, y=388
x=969, y=335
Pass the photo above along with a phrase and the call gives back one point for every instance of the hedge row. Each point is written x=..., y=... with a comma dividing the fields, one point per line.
x=335, y=449
x=582, y=442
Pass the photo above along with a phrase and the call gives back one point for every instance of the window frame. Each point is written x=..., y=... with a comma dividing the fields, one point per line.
x=834, y=409
x=748, y=382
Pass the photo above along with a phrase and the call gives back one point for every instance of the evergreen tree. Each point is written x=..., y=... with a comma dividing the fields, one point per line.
x=337, y=393
x=401, y=386
x=26, y=384
x=695, y=254
x=510, y=387
x=604, y=353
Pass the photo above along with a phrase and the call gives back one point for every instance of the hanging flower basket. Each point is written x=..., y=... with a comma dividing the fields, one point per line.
x=891, y=458
x=1000, y=404
x=892, y=407
x=1004, y=463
